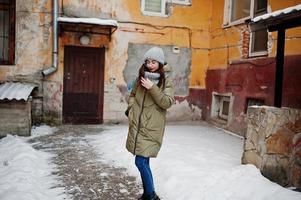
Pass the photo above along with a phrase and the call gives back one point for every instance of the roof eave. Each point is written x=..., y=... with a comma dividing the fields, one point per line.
x=274, y=23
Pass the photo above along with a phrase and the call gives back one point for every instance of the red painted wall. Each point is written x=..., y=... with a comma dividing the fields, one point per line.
x=254, y=79
x=196, y=97
x=291, y=94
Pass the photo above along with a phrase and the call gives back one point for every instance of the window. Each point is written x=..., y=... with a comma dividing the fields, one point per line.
x=224, y=107
x=154, y=7
x=221, y=108
x=259, y=43
x=260, y=7
x=259, y=38
x=238, y=11
x=7, y=32
x=253, y=102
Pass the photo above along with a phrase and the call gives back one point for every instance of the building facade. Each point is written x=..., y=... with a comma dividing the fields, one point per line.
x=242, y=63
x=219, y=66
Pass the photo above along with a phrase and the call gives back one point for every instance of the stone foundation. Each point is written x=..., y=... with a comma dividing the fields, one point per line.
x=273, y=143
x=15, y=117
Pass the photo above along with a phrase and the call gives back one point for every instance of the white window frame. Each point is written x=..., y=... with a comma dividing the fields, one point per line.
x=182, y=2
x=228, y=12
x=217, y=103
x=256, y=53
x=227, y=23
x=163, y=9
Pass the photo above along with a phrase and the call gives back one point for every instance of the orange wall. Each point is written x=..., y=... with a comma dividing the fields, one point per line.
x=226, y=43
x=187, y=26
x=198, y=26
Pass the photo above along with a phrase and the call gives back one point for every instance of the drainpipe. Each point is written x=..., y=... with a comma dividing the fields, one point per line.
x=53, y=68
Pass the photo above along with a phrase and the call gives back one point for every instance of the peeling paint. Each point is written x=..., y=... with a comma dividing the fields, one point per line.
x=196, y=30
x=183, y=111
x=180, y=64
x=96, y=8
x=53, y=92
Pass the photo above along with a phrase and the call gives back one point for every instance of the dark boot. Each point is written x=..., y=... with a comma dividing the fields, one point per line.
x=157, y=197
x=152, y=196
x=143, y=197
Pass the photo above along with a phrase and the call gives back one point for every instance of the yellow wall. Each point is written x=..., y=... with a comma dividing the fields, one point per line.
x=292, y=36
x=226, y=43
x=198, y=26
x=187, y=26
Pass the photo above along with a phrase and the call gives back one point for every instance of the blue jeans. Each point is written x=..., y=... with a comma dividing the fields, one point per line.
x=142, y=164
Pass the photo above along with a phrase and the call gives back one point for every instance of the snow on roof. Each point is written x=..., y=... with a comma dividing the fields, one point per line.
x=277, y=13
x=18, y=91
x=96, y=21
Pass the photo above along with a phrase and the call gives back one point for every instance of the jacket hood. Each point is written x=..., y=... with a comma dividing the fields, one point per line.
x=167, y=69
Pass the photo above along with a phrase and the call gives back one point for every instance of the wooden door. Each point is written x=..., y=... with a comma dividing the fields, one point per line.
x=83, y=85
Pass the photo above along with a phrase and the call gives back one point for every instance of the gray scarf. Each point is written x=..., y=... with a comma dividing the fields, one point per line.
x=152, y=76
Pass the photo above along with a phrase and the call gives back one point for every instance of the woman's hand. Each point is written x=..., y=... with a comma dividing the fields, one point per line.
x=146, y=83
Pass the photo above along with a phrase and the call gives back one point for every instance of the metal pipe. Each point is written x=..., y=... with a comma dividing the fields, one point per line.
x=54, y=66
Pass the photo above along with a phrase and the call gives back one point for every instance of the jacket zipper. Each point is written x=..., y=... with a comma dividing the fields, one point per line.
x=139, y=121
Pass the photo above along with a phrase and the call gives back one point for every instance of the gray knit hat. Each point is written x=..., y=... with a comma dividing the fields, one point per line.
x=155, y=53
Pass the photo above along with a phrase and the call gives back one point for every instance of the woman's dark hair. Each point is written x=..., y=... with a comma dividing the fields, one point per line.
x=160, y=70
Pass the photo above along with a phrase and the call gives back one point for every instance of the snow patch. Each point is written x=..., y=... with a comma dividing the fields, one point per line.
x=25, y=172
x=195, y=163
x=96, y=21
x=42, y=130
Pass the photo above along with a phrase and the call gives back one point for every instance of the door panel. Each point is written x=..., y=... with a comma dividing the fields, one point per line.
x=83, y=85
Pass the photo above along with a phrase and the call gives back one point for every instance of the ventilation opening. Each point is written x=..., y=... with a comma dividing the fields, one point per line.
x=221, y=106
x=253, y=102
x=224, y=108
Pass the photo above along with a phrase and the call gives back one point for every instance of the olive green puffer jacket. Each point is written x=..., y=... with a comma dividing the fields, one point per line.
x=146, y=115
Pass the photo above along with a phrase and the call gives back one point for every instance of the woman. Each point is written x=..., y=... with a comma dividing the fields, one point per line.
x=151, y=95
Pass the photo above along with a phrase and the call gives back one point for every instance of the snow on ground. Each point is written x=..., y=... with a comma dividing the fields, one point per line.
x=42, y=130
x=25, y=173
x=195, y=163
